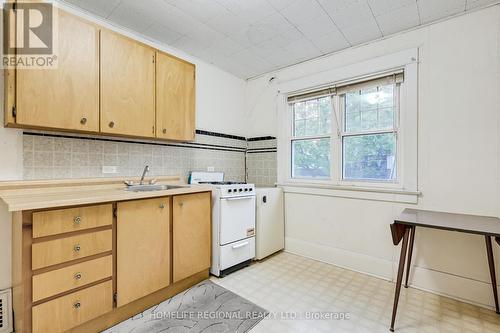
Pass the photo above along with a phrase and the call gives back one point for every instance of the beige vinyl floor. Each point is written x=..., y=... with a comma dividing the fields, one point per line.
x=297, y=291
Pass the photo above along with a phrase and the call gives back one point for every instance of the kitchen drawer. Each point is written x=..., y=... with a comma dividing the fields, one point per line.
x=70, y=248
x=54, y=222
x=74, y=276
x=64, y=313
x=237, y=252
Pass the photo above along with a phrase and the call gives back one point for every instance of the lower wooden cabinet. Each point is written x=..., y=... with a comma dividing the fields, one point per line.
x=192, y=233
x=143, y=248
x=122, y=259
x=64, y=313
x=71, y=277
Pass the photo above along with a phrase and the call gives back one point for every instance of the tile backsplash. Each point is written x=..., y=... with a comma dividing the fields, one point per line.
x=49, y=155
x=261, y=161
x=56, y=156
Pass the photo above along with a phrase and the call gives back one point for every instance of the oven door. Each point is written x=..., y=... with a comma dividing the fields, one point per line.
x=237, y=219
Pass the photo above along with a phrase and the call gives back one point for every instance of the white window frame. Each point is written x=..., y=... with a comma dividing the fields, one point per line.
x=309, y=137
x=396, y=183
x=405, y=189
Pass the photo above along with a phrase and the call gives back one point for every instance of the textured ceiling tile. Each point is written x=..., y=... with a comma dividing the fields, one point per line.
x=399, y=19
x=248, y=37
x=432, y=10
x=99, y=7
x=471, y=4
x=249, y=11
x=380, y=7
x=362, y=33
x=161, y=33
x=130, y=18
x=330, y=42
x=202, y=10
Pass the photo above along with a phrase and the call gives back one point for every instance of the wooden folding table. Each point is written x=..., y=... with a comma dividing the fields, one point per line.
x=403, y=229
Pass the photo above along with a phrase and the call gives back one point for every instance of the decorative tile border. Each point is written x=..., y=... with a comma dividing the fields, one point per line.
x=55, y=155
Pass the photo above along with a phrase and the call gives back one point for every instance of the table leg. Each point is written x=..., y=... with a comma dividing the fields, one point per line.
x=491, y=262
x=402, y=259
x=410, y=252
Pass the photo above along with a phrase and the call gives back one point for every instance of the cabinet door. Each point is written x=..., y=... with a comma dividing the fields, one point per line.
x=127, y=86
x=192, y=234
x=175, y=98
x=66, y=97
x=143, y=248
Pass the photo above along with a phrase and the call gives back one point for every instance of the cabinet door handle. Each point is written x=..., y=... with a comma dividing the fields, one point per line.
x=164, y=131
x=77, y=248
x=111, y=124
x=78, y=276
x=77, y=220
x=77, y=305
x=162, y=205
x=83, y=121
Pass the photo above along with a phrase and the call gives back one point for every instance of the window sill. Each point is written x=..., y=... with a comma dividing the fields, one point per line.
x=354, y=192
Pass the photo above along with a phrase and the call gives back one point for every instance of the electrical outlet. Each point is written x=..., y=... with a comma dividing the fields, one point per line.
x=210, y=169
x=109, y=169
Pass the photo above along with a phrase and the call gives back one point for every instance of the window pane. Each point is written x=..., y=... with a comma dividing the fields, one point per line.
x=312, y=117
x=369, y=109
x=370, y=157
x=311, y=158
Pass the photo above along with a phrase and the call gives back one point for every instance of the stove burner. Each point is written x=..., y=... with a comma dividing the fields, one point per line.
x=222, y=183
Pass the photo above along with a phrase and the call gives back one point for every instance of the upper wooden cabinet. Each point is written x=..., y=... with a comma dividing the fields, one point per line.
x=127, y=86
x=143, y=248
x=175, y=98
x=67, y=97
x=105, y=83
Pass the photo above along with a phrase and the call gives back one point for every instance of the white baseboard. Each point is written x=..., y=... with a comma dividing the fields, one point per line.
x=441, y=283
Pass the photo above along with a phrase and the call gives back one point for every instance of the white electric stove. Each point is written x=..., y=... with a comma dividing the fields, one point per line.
x=233, y=222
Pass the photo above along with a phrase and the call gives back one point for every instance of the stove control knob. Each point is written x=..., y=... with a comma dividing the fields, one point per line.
x=240, y=189
x=246, y=190
x=251, y=189
x=230, y=190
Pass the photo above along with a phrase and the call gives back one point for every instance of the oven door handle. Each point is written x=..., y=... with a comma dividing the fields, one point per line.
x=239, y=198
x=239, y=245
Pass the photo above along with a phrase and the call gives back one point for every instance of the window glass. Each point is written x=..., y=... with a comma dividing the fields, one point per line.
x=312, y=117
x=369, y=109
x=369, y=157
x=311, y=158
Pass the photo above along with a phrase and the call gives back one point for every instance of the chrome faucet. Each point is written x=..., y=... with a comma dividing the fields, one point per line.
x=146, y=170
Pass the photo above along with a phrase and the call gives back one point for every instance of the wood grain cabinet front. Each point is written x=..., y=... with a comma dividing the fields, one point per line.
x=67, y=278
x=60, y=221
x=127, y=86
x=64, y=313
x=66, y=97
x=52, y=252
x=175, y=98
x=143, y=248
x=191, y=234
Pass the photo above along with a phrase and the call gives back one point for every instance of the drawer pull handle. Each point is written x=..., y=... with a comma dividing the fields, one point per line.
x=77, y=220
x=78, y=276
x=164, y=131
x=240, y=245
x=83, y=121
x=111, y=124
x=77, y=248
x=162, y=205
x=77, y=305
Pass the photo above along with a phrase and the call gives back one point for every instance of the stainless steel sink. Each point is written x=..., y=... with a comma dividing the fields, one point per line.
x=149, y=188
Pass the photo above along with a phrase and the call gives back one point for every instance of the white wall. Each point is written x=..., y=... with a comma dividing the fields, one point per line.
x=458, y=168
x=219, y=108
